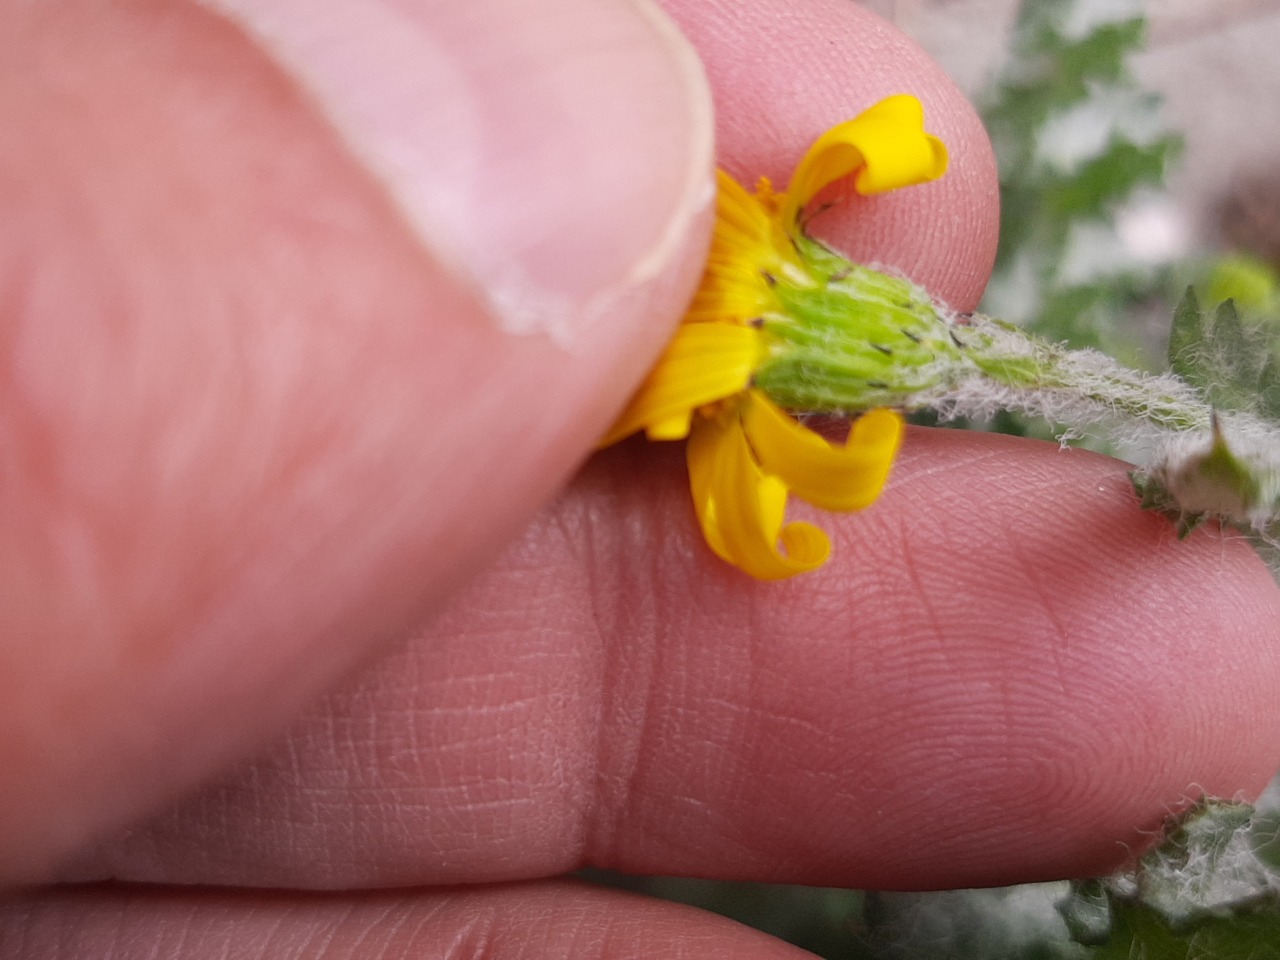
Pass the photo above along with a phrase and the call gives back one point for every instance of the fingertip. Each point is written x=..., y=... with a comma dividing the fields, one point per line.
x=1007, y=672
x=781, y=75
x=1122, y=672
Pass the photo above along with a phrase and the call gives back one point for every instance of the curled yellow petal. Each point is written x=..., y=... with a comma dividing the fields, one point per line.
x=741, y=509
x=704, y=362
x=886, y=145
x=833, y=477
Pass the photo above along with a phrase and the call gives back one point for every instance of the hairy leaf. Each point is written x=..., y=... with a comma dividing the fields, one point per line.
x=1236, y=363
x=1207, y=891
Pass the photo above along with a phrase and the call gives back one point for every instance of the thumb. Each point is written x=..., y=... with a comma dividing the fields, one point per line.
x=304, y=307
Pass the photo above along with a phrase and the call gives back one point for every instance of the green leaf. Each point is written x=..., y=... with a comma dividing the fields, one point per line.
x=1206, y=866
x=1087, y=913
x=1141, y=932
x=1265, y=835
x=1184, y=335
x=1268, y=400
x=1204, y=893
x=1235, y=362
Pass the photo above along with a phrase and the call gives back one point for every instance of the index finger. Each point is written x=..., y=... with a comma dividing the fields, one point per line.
x=781, y=74
x=1007, y=672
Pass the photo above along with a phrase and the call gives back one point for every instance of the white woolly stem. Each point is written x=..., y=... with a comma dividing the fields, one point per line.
x=1075, y=388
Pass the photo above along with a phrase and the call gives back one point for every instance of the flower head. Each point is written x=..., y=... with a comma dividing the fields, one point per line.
x=746, y=454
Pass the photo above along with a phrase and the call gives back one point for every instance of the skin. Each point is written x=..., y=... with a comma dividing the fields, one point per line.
x=253, y=634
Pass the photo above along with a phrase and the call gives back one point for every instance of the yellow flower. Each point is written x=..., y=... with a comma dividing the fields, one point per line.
x=745, y=454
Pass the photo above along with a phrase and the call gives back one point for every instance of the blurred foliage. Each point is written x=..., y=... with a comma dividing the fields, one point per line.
x=1078, y=141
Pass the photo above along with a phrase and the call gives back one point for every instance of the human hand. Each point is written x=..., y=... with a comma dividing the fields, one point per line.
x=303, y=432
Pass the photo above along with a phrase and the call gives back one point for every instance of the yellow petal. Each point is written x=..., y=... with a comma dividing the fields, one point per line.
x=704, y=362
x=848, y=477
x=886, y=144
x=742, y=250
x=741, y=509
x=673, y=428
